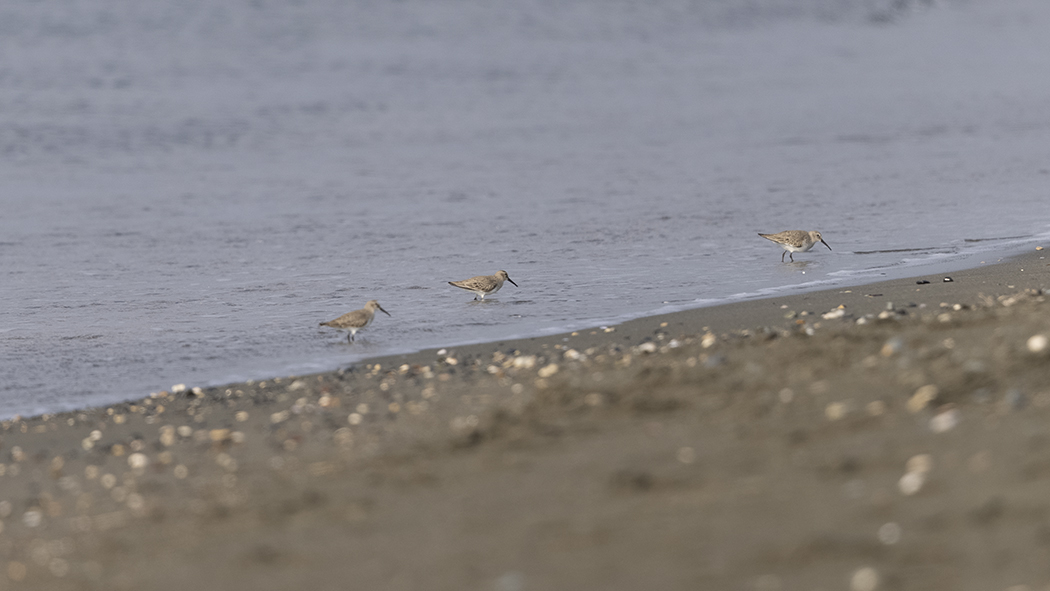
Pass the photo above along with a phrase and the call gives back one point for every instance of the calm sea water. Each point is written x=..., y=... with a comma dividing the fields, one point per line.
x=187, y=188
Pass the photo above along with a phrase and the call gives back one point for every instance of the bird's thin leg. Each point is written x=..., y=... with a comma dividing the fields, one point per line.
x=792, y=256
x=782, y=256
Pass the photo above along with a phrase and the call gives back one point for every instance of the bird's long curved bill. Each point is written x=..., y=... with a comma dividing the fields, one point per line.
x=512, y=281
x=825, y=243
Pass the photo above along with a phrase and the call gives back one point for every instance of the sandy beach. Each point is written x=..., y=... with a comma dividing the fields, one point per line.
x=886, y=436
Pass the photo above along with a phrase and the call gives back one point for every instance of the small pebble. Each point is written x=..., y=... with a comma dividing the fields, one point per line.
x=1037, y=343
x=138, y=461
x=167, y=436
x=865, y=579
x=548, y=371
x=919, y=463
x=944, y=421
x=889, y=533
x=922, y=282
x=892, y=347
x=948, y=280
x=32, y=518
x=911, y=482
x=714, y=361
x=1015, y=399
x=835, y=411
x=922, y=398
x=524, y=362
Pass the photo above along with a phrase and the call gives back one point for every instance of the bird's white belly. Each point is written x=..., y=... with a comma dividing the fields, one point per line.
x=803, y=248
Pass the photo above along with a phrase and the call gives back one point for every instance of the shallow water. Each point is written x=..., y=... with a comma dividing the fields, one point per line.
x=188, y=189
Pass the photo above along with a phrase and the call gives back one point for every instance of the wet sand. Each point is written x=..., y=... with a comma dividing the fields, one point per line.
x=887, y=436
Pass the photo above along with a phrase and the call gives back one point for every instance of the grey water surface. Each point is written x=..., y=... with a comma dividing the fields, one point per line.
x=188, y=188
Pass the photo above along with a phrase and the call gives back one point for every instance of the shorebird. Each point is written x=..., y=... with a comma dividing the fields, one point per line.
x=795, y=241
x=356, y=320
x=482, y=285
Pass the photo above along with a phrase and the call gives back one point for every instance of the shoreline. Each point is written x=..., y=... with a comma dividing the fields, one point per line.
x=965, y=263
x=953, y=265
x=863, y=299
x=898, y=441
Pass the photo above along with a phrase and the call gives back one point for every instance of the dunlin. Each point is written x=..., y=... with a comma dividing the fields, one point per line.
x=483, y=285
x=795, y=241
x=356, y=320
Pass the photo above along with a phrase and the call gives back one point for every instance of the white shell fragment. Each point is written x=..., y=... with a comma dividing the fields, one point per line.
x=944, y=421
x=911, y=483
x=832, y=315
x=864, y=579
x=1037, y=343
